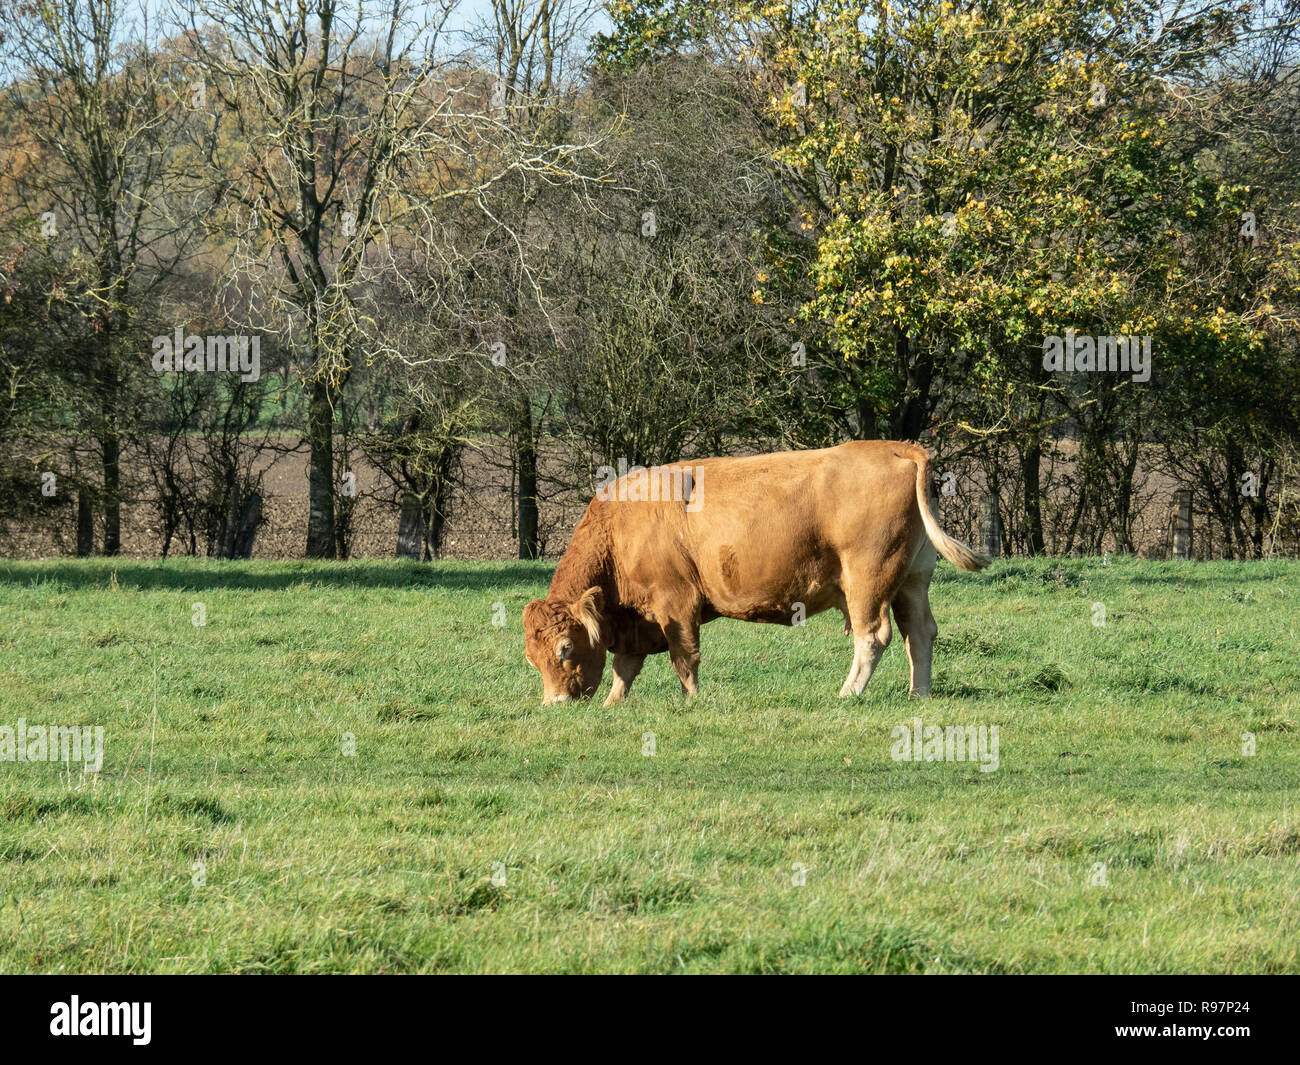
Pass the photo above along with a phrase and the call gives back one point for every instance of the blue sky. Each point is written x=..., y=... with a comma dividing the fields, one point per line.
x=471, y=10
x=467, y=12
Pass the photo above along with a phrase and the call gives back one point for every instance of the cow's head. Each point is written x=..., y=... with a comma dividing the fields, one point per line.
x=565, y=642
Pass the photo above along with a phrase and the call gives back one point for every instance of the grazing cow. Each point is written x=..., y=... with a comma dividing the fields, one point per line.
x=763, y=538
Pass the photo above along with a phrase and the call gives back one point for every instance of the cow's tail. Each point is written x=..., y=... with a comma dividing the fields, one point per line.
x=954, y=551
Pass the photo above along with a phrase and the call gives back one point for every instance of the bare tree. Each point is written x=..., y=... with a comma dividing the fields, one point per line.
x=355, y=131
x=103, y=119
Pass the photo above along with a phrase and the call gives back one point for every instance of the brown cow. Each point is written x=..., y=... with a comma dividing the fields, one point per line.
x=764, y=538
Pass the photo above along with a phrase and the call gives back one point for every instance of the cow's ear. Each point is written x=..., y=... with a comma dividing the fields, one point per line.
x=588, y=608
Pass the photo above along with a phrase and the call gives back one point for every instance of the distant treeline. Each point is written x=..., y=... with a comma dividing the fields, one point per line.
x=1057, y=241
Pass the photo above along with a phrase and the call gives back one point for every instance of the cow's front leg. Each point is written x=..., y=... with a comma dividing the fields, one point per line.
x=684, y=650
x=626, y=667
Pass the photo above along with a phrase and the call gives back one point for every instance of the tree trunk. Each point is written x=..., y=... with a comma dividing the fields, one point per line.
x=1181, y=546
x=437, y=505
x=320, y=438
x=222, y=544
x=249, y=521
x=528, y=507
x=85, y=523
x=1235, y=462
x=435, y=528
x=1031, y=460
x=1124, y=502
x=1260, y=510
x=112, y=448
x=990, y=526
x=411, y=528
x=914, y=414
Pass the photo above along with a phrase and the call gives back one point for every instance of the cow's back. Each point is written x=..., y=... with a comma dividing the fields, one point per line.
x=763, y=536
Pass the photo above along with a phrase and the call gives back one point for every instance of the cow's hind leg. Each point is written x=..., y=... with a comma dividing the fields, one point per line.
x=871, y=634
x=867, y=599
x=626, y=667
x=912, y=612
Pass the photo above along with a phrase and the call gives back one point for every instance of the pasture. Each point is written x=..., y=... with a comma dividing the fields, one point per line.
x=232, y=828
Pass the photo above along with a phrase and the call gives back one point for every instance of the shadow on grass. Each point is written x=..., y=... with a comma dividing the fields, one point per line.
x=200, y=574
x=274, y=575
x=1062, y=572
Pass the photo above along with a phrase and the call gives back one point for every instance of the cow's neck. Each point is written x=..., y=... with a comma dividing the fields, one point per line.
x=585, y=563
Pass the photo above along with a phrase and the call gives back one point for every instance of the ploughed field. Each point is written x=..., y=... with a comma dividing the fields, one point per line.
x=346, y=769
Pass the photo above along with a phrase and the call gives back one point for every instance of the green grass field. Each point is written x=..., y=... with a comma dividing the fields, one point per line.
x=1124, y=830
